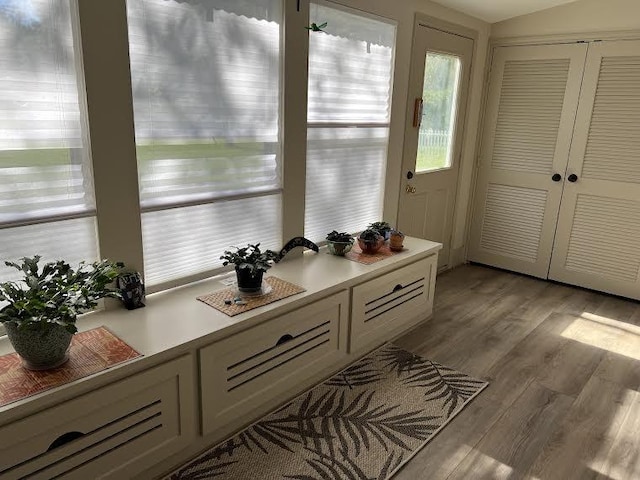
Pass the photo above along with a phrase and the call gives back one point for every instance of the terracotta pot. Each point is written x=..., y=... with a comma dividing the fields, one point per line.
x=41, y=348
x=396, y=241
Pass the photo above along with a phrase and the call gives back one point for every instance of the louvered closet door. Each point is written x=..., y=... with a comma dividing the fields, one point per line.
x=598, y=239
x=533, y=96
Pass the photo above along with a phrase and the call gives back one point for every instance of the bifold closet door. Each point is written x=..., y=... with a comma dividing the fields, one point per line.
x=598, y=237
x=529, y=120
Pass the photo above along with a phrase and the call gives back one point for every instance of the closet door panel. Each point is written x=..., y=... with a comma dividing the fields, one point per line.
x=533, y=96
x=597, y=242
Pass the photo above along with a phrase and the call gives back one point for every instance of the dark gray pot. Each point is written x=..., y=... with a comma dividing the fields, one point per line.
x=248, y=283
x=40, y=348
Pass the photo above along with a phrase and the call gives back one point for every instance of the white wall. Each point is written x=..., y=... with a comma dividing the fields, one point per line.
x=403, y=12
x=584, y=16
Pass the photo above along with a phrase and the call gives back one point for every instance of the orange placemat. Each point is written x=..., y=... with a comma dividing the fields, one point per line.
x=279, y=289
x=90, y=352
x=356, y=255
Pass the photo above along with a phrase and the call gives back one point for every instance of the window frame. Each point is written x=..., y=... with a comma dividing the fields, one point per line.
x=312, y=125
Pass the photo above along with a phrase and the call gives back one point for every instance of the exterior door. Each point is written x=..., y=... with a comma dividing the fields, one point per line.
x=598, y=237
x=439, y=85
x=529, y=119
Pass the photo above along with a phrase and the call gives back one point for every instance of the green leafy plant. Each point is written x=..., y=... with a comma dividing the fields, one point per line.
x=250, y=258
x=341, y=237
x=382, y=227
x=370, y=235
x=57, y=293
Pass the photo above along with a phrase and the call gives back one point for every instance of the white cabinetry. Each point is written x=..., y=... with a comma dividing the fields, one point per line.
x=239, y=368
x=248, y=373
x=392, y=303
x=243, y=372
x=122, y=427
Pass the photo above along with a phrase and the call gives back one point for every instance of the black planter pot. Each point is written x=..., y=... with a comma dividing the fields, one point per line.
x=248, y=283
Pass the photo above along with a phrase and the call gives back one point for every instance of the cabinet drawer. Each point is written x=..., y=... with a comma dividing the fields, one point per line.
x=98, y=434
x=241, y=372
x=384, y=305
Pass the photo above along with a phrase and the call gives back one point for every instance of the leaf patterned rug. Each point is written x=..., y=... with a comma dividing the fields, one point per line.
x=362, y=424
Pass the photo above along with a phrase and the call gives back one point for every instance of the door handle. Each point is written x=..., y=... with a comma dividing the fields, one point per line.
x=410, y=189
x=556, y=177
x=572, y=178
x=417, y=112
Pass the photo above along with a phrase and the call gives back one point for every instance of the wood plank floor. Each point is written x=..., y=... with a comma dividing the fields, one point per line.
x=564, y=367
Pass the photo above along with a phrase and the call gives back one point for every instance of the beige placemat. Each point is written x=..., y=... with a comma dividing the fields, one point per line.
x=90, y=352
x=279, y=289
x=356, y=254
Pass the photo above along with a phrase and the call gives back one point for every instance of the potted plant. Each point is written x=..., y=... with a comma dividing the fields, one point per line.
x=383, y=228
x=339, y=243
x=41, y=310
x=370, y=241
x=396, y=239
x=250, y=263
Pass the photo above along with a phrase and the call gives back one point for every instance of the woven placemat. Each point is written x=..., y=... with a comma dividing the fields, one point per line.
x=279, y=289
x=90, y=352
x=356, y=254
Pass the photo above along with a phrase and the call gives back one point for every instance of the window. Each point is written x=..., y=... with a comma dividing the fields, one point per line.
x=350, y=79
x=46, y=189
x=206, y=92
x=440, y=95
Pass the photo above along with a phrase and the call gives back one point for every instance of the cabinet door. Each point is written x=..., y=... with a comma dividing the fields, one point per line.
x=242, y=374
x=533, y=96
x=596, y=243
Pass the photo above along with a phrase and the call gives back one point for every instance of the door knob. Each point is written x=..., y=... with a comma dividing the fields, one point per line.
x=556, y=177
x=409, y=175
x=572, y=178
x=410, y=189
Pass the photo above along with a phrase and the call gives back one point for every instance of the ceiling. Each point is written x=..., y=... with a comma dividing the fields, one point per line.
x=496, y=10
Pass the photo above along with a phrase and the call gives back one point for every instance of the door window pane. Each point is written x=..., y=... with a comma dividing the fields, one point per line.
x=440, y=104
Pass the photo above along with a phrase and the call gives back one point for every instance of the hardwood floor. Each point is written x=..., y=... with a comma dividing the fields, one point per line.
x=564, y=367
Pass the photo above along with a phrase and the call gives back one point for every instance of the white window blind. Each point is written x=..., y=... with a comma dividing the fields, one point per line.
x=350, y=81
x=206, y=92
x=46, y=191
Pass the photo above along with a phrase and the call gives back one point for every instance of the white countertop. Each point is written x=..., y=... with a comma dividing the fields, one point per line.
x=175, y=322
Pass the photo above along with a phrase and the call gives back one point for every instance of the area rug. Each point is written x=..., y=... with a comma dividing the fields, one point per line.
x=362, y=424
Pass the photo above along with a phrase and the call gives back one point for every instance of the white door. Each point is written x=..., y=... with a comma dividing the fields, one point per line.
x=529, y=119
x=598, y=237
x=439, y=85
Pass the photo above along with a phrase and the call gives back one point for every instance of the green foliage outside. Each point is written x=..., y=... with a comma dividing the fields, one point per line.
x=440, y=81
x=434, y=159
x=145, y=153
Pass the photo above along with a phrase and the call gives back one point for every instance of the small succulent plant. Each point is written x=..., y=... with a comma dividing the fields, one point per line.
x=340, y=237
x=382, y=227
x=370, y=235
x=250, y=258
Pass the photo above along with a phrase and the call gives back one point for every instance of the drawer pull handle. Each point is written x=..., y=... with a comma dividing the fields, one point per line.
x=64, y=439
x=284, y=339
x=397, y=287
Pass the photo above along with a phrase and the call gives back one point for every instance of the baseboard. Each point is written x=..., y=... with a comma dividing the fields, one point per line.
x=457, y=257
